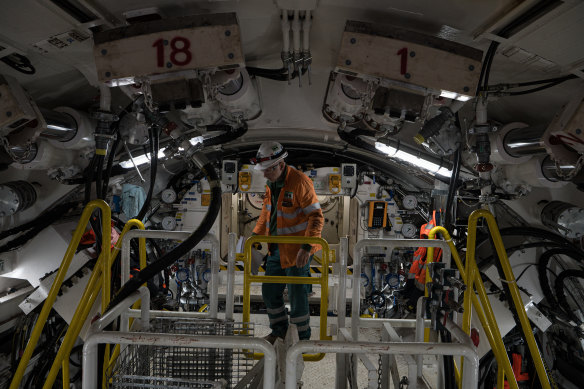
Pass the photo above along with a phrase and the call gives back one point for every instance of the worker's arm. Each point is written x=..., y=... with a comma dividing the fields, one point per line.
x=261, y=227
x=311, y=208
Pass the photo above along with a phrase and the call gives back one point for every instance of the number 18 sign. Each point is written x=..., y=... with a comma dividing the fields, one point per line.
x=162, y=46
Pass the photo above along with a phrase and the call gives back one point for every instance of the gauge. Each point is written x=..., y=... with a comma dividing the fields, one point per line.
x=256, y=200
x=410, y=202
x=182, y=275
x=168, y=223
x=409, y=230
x=168, y=196
x=392, y=280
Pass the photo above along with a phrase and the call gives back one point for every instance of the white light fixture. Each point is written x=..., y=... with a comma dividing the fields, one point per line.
x=141, y=159
x=454, y=96
x=412, y=159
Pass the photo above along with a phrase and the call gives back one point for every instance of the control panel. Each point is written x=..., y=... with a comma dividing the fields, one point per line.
x=229, y=173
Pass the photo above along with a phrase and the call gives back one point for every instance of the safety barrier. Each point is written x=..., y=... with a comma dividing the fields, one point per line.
x=248, y=278
x=100, y=280
x=471, y=277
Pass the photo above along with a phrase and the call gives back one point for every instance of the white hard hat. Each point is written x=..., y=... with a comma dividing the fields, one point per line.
x=268, y=155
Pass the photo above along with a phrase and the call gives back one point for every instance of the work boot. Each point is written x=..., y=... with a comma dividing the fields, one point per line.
x=272, y=338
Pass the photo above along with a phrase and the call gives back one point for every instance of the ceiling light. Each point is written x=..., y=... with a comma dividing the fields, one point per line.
x=454, y=96
x=140, y=160
x=399, y=154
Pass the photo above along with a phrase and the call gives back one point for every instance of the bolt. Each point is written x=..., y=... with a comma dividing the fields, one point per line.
x=15, y=202
x=348, y=62
x=8, y=113
x=168, y=65
x=107, y=74
x=578, y=131
x=471, y=67
x=103, y=51
x=466, y=89
x=230, y=55
x=353, y=41
x=408, y=75
x=412, y=54
x=227, y=32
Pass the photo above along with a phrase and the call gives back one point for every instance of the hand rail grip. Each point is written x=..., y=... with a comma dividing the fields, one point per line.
x=248, y=278
x=52, y=296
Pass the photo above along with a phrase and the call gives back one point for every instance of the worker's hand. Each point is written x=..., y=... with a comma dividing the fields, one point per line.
x=302, y=258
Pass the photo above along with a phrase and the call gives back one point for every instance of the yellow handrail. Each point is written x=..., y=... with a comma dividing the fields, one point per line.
x=92, y=290
x=248, y=278
x=470, y=276
x=48, y=305
x=511, y=284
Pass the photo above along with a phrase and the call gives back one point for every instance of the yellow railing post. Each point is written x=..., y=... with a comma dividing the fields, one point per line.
x=511, y=284
x=50, y=300
x=248, y=278
x=486, y=316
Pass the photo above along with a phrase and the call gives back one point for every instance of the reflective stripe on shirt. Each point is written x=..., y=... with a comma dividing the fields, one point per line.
x=293, y=229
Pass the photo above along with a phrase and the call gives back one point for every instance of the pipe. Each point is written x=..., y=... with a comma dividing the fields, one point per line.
x=60, y=126
x=230, y=276
x=524, y=141
x=90, y=373
x=390, y=348
x=306, y=24
x=296, y=28
x=342, y=297
x=213, y=298
x=420, y=308
x=285, y=23
x=105, y=98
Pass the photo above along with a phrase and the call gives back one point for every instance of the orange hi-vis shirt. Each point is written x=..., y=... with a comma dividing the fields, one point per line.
x=298, y=214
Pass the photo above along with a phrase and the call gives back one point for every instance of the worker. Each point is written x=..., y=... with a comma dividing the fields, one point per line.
x=416, y=281
x=290, y=208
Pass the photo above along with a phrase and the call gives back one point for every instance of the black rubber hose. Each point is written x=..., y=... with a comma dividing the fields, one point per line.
x=110, y=163
x=34, y=227
x=452, y=190
x=154, y=133
x=542, y=272
x=169, y=258
x=228, y=136
x=99, y=176
x=559, y=287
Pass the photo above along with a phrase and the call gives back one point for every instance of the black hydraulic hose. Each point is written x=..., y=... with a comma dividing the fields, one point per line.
x=559, y=287
x=254, y=70
x=452, y=189
x=229, y=135
x=154, y=134
x=34, y=227
x=354, y=140
x=89, y=178
x=542, y=270
x=543, y=87
x=169, y=258
x=110, y=163
x=99, y=176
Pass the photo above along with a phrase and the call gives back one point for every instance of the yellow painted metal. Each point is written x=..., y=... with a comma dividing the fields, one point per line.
x=248, y=278
x=90, y=294
x=500, y=378
x=65, y=373
x=48, y=305
x=511, y=284
x=486, y=315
